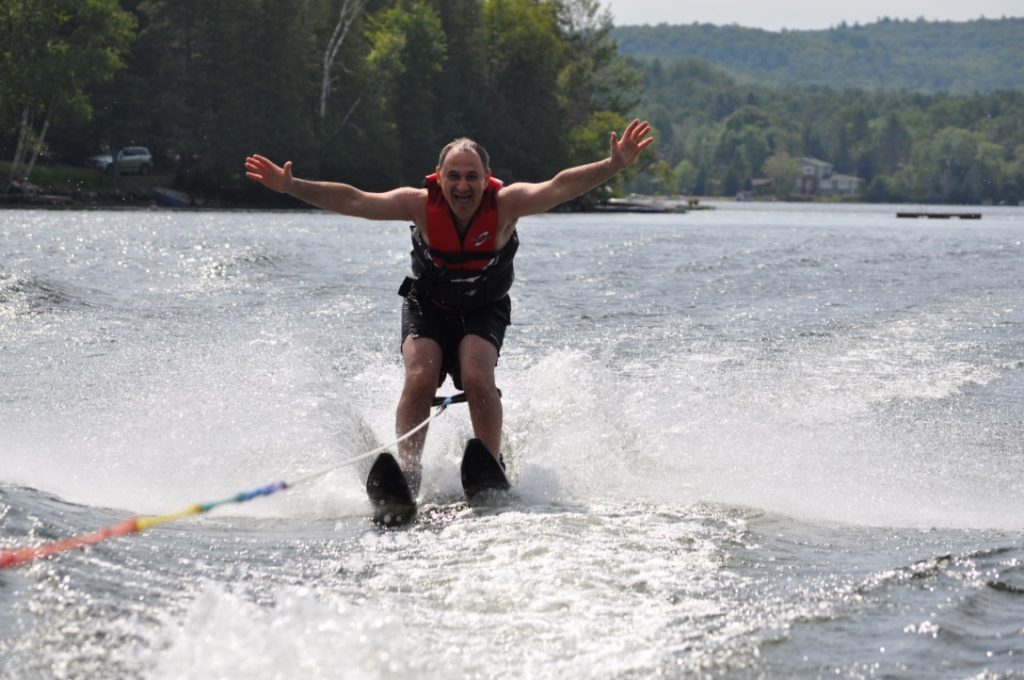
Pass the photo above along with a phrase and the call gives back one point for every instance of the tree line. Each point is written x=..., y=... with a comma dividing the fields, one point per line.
x=962, y=58
x=367, y=91
x=717, y=136
x=362, y=90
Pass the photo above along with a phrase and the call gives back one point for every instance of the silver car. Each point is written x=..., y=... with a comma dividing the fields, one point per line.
x=133, y=159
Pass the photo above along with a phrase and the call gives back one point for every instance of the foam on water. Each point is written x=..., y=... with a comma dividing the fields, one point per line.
x=462, y=600
x=317, y=636
x=864, y=430
x=176, y=421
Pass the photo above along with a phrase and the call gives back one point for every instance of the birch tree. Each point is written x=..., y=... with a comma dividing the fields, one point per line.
x=347, y=15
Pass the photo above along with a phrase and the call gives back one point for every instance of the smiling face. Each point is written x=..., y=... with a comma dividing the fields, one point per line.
x=462, y=178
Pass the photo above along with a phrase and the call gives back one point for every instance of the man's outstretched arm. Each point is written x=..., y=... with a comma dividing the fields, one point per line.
x=517, y=200
x=397, y=204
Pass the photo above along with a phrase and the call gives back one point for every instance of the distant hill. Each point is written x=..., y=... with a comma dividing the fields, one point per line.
x=920, y=56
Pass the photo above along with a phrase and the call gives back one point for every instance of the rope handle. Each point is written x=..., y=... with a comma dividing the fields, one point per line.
x=459, y=398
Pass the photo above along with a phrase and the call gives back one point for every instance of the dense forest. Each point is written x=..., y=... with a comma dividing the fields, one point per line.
x=367, y=91
x=917, y=56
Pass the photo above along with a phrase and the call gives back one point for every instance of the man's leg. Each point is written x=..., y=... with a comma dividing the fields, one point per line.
x=422, y=358
x=477, y=358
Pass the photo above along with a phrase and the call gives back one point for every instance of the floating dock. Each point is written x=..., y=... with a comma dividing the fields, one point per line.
x=942, y=215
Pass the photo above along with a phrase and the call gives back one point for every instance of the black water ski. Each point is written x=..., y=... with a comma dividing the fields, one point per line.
x=388, y=489
x=481, y=471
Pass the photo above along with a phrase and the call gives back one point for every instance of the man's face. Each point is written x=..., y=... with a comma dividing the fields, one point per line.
x=462, y=179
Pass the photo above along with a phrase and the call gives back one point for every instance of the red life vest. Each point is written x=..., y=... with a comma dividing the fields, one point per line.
x=462, y=271
x=452, y=250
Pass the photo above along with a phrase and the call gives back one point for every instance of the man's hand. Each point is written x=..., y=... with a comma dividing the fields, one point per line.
x=269, y=174
x=634, y=140
x=523, y=198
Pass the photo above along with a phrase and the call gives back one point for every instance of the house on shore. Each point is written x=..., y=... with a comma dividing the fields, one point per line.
x=818, y=178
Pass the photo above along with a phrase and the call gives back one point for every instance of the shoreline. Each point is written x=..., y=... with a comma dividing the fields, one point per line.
x=633, y=204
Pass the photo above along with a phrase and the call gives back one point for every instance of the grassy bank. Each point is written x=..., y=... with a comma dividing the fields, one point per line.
x=74, y=181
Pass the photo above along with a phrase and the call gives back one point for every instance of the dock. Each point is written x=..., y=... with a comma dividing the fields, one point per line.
x=638, y=204
x=941, y=215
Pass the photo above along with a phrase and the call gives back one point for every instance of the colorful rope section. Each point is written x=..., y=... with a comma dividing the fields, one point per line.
x=129, y=526
x=137, y=525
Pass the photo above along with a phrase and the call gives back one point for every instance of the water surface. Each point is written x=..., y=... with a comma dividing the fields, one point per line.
x=758, y=441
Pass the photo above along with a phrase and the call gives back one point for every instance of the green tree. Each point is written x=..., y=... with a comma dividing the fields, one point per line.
x=686, y=176
x=783, y=171
x=525, y=56
x=462, y=110
x=745, y=142
x=666, y=180
x=1015, y=182
x=590, y=140
x=594, y=79
x=54, y=52
x=940, y=168
x=358, y=134
x=408, y=50
x=229, y=77
x=893, y=143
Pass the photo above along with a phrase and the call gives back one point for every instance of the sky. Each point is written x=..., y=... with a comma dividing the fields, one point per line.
x=804, y=14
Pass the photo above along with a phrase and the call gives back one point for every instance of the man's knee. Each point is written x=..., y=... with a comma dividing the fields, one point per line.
x=477, y=380
x=421, y=377
x=422, y=358
x=477, y=368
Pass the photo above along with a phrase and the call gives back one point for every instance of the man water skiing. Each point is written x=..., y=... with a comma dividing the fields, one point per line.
x=464, y=238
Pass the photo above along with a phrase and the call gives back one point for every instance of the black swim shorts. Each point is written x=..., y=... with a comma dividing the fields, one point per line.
x=421, y=318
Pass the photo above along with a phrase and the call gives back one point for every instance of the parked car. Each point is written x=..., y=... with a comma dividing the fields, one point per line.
x=129, y=159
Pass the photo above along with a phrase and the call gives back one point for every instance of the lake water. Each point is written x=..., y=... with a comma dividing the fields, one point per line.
x=756, y=441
